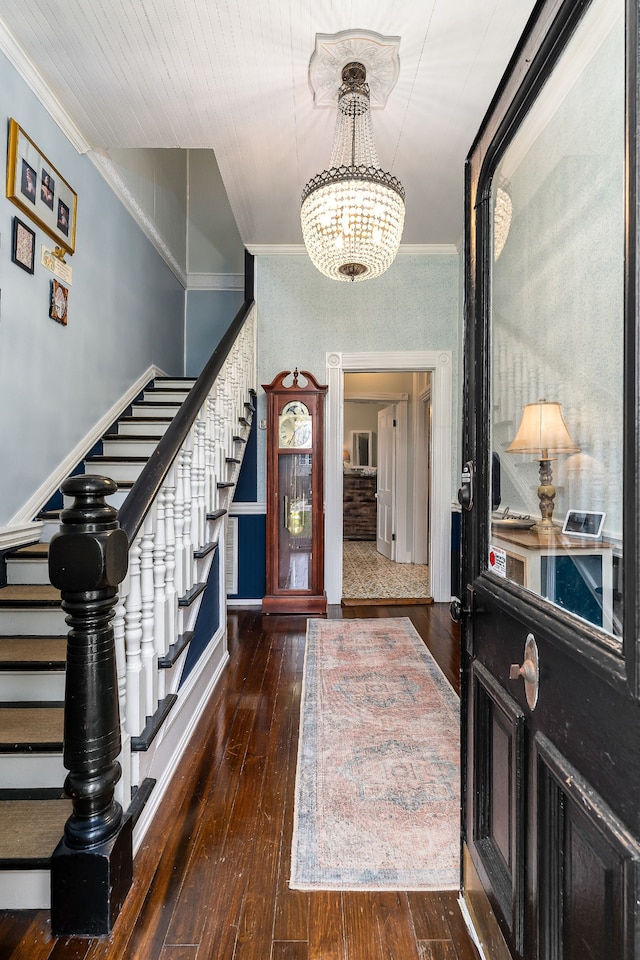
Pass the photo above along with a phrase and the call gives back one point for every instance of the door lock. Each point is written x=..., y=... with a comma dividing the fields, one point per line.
x=465, y=493
x=529, y=671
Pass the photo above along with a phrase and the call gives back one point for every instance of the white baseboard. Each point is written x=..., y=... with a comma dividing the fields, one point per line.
x=192, y=700
x=244, y=603
x=25, y=890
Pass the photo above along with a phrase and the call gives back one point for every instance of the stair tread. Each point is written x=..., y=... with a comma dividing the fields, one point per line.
x=109, y=458
x=27, y=594
x=30, y=551
x=16, y=652
x=141, y=420
x=31, y=829
x=30, y=728
x=130, y=437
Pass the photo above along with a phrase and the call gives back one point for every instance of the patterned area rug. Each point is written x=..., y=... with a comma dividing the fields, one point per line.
x=377, y=787
x=366, y=574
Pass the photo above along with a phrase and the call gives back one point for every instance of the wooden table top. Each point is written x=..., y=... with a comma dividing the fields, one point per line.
x=533, y=539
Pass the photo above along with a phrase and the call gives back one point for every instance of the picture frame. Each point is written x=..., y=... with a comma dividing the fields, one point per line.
x=39, y=190
x=59, y=302
x=23, y=245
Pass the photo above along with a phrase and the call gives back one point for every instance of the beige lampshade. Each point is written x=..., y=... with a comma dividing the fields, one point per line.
x=542, y=431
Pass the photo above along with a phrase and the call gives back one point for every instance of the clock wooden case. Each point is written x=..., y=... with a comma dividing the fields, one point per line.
x=295, y=495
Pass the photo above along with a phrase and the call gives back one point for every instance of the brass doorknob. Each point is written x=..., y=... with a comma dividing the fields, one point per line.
x=529, y=671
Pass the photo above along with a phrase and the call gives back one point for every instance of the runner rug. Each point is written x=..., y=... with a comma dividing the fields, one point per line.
x=377, y=803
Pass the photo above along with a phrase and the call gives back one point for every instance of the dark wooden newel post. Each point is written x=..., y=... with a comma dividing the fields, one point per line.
x=91, y=868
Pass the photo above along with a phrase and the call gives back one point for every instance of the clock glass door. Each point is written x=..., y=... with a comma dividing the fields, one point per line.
x=295, y=535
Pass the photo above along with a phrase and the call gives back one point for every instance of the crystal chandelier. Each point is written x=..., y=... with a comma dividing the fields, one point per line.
x=352, y=214
x=502, y=213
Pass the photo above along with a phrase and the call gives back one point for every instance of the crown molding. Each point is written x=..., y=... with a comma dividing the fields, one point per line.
x=215, y=281
x=299, y=249
x=427, y=250
x=277, y=249
x=109, y=170
x=18, y=57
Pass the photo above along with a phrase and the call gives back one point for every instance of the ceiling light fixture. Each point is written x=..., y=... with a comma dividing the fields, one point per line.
x=353, y=214
x=502, y=213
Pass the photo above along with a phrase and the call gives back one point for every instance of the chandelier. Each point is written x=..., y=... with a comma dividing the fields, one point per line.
x=352, y=214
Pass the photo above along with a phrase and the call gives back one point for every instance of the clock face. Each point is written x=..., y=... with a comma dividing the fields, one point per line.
x=294, y=426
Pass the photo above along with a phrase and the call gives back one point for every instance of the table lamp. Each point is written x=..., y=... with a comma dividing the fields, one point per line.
x=542, y=431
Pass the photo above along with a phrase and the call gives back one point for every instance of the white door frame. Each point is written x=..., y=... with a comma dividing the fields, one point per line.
x=421, y=472
x=438, y=363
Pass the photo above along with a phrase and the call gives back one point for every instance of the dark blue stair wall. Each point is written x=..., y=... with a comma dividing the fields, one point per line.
x=252, y=527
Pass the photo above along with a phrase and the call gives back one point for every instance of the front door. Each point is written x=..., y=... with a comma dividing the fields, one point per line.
x=386, y=474
x=551, y=681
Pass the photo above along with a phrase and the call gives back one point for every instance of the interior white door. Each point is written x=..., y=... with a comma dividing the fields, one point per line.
x=385, y=540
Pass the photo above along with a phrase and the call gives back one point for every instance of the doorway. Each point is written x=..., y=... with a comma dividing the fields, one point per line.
x=438, y=547
x=383, y=455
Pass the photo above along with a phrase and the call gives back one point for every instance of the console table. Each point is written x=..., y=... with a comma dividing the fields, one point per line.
x=574, y=572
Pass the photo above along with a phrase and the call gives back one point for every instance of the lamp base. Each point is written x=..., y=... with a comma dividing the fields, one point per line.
x=545, y=528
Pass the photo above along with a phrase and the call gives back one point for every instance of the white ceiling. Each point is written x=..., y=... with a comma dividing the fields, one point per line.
x=232, y=75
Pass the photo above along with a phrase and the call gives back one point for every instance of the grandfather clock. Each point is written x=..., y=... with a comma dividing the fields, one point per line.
x=295, y=495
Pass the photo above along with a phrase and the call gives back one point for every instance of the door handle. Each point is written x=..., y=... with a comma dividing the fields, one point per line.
x=529, y=671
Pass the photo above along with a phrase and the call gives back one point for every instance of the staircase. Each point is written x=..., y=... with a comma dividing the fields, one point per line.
x=151, y=653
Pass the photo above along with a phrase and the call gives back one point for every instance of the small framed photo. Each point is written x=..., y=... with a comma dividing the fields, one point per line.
x=23, y=246
x=47, y=188
x=59, y=303
x=584, y=523
x=39, y=190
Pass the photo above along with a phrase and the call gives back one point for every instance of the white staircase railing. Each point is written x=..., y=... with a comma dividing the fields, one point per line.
x=168, y=555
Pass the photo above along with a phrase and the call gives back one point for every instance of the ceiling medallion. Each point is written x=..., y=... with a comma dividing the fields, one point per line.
x=352, y=214
x=377, y=54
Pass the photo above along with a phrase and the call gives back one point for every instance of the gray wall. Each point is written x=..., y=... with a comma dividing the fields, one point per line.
x=209, y=313
x=125, y=313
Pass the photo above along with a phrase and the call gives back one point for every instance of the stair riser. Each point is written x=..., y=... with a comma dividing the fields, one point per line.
x=38, y=622
x=22, y=771
x=155, y=410
x=28, y=571
x=117, y=471
x=129, y=448
x=36, y=685
x=175, y=384
x=25, y=890
x=167, y=396
x=129, y=429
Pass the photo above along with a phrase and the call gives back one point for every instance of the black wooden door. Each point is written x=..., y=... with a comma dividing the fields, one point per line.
x=550, y=526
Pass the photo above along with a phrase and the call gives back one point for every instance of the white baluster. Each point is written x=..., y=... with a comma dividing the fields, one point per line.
x=187, y=541
x=148, y=653
x=133, y=635
x=210, y=494
x=179, y=525
x=171, y=604
x=159, y=575
x=199, y=473
x=123, y=788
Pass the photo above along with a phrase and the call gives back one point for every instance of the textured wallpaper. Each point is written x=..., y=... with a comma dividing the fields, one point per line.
x=302, y=315
x=558, y=284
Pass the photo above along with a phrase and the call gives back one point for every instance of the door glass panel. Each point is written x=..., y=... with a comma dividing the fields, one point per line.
x=557, y=312
x=295, y=533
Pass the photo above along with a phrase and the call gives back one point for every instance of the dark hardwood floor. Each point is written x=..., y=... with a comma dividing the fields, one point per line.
x=211, y=875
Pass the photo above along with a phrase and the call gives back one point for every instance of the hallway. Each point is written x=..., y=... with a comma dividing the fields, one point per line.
x=211, y=875
x=367, y=575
